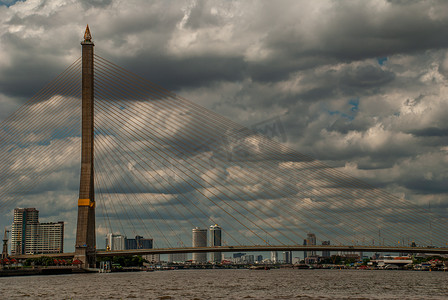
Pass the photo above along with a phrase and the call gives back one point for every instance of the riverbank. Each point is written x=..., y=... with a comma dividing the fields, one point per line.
x=57, y=270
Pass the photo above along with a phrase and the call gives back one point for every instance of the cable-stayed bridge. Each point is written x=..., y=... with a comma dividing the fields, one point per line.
x=156, y=164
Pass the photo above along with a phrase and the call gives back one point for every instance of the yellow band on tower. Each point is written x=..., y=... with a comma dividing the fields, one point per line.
x=86, y=202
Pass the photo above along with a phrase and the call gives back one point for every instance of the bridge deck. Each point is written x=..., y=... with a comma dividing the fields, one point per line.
x=258, y=248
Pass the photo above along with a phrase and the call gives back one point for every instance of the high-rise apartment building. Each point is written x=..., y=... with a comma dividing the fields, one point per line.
x=51, y=238
x=121, y=242
x=199, y=240
x=28, y=236
x=24, y=231
x=215, y=241
x=139, y=243
x=248, y=259
x=115, y=242
x=287, y=257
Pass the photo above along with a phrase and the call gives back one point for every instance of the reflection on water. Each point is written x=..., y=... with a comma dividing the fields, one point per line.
x=232, y=284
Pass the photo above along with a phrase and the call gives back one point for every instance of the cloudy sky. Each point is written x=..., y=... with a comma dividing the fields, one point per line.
x=359, y=85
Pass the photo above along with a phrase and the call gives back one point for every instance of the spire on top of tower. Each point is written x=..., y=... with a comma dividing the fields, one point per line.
x=87, y=35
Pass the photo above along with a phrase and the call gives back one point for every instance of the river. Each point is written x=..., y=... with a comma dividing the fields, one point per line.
x=232, y=284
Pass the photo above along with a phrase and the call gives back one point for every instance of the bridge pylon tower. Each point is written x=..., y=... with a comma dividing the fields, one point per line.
x=85, y=247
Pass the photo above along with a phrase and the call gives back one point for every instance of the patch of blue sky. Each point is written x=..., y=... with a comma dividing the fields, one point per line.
x=63, y=133
x=8, y=3
x=103, y=133
x=351, y=113
x=343, y=115
x=44, y=143
x=354, y=103
x=381, y=60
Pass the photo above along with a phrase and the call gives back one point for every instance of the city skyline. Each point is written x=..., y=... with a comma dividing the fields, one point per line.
x=377, y=107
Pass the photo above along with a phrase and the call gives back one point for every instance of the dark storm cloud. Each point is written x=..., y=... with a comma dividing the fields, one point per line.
x=23, y=77
x=362, y=30
x=288, y=54
x=367, y=76
x=350, y=81
x=95, y=3
x=348, y=32
x=189, y=71
x=428, y=186
x=430, y=132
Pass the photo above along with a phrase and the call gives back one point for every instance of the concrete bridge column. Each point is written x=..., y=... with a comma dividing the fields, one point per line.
x=85, y=247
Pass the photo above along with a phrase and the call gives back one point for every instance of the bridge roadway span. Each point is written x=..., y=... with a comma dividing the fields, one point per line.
x=256, y=248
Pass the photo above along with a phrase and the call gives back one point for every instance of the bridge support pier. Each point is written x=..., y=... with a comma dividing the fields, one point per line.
x=85, y=247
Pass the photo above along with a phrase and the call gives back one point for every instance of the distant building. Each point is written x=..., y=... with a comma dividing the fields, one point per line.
x=28, y=236
x=238, y=255
x=312, y=259
x=24, y=231
x=115, y=242
x=311, y=241
x=295, y=260
x=326, y=253
x=51, y=238
x=248, y=259
x=139, y=243
x=199, y=239
x=152, y=258
x=259, y=258
x=130, y=244
x=274, y=257
x=215, y=241
x=287, y=257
